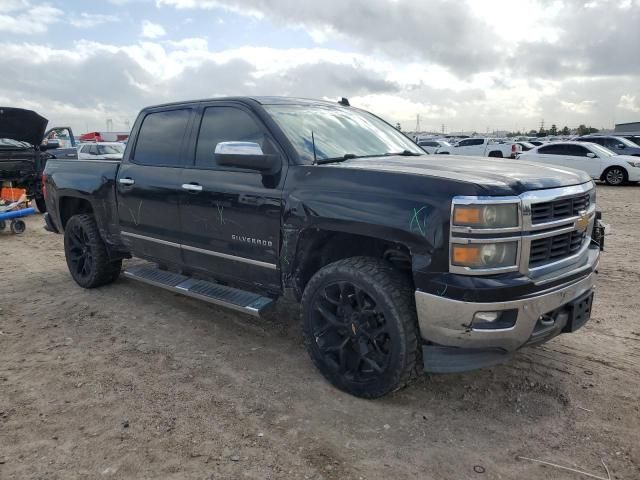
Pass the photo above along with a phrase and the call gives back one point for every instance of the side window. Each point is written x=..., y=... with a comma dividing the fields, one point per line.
x=599, y=141
x=476, y=141
x=160, y=138
x=464, y=143
x=611, y=143
x=576, y=151
x=552, y=150
x=92, y=150
x=227, y=124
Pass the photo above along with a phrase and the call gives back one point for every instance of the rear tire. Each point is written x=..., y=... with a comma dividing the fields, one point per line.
x=496, y=154
x=360, y=326
x=86, y=253
x=3, y=225
x=41, y=204
x=615, y=176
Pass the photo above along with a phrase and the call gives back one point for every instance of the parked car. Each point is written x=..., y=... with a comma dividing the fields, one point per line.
x=25, y=148
x=401, y=262
x=599, y=162
x=619, y=145
x=536, y=143
x=483, y=147
x=631, y=137
x=101, y=151
x=434, y=146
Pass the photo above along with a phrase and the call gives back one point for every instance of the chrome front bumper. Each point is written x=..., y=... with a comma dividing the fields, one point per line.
x=447, y=322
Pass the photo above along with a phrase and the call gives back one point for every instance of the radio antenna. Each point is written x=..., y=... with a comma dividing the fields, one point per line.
x=313, y=143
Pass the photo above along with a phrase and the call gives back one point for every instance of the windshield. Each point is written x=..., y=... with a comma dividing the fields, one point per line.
x=9, y=143
x=110, y=149
x=338, y=132
x=601, y=151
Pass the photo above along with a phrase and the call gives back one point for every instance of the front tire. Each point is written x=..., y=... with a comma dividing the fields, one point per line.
x=86, y=253
x=615, y=176
x=360, y=326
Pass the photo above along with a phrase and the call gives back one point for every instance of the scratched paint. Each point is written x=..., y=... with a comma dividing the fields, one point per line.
x=418, y=220
x=136, y=218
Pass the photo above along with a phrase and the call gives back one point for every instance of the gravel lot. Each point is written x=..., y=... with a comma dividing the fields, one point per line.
x=129, y=381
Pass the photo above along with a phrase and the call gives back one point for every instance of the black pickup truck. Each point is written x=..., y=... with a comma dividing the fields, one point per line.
x=402, y=261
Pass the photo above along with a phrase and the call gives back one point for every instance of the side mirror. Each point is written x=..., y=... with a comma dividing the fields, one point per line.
x=591, y=155
x=621, y=145
x=52, y=144
x=247, y=155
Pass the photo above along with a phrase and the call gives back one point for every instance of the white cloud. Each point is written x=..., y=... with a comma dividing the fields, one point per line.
x=90, y=20
x=630, y=102
x=152, y=30
x=22, y=17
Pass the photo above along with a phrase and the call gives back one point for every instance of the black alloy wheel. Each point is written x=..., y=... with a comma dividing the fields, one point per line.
x=360, y=326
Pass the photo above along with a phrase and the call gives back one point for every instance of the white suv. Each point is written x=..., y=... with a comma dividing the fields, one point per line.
x=600, y=163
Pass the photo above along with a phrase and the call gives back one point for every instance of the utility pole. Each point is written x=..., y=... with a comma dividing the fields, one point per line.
x=418, y=123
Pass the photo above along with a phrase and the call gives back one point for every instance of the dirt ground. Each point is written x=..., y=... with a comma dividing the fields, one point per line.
x=129, y=381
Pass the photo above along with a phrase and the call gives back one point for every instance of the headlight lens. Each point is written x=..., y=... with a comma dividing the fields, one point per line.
x=486, y=216
x=633, y=163
x=485, y=255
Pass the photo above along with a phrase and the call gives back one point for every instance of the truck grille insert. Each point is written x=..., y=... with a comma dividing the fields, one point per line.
x=557, y=247
x=559, y=209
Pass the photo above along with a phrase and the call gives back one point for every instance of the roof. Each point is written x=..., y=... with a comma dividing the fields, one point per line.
x=262, y=100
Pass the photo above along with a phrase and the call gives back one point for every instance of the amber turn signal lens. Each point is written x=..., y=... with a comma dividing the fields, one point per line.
x=467, y=215
x=465, y=255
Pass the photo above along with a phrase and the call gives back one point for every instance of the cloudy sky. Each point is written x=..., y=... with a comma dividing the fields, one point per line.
x=470, y=65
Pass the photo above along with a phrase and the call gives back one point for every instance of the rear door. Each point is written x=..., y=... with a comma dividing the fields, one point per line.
x=576, y=156
x=149, y=185
x=231, y=220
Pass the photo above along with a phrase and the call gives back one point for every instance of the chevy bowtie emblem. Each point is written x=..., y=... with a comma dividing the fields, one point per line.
x=582, y=223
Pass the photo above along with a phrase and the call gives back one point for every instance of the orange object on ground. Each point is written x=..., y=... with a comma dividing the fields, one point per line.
x=11, y=194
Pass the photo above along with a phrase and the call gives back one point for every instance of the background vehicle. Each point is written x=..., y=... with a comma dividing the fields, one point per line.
x=599, y=162
x=525, y=146
x=485, y=147
x=619, y=145
x=400, y=261
x=433, y=146
x=101, y=151
x=22, y=150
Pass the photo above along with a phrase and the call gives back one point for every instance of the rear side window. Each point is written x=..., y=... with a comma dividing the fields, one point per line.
x=227, y=124
x=576, y=151
x=552, y=150
x=471, y=142
x=160, y=138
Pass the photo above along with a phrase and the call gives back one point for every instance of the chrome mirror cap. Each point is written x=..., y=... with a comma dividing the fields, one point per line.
x=238, y=148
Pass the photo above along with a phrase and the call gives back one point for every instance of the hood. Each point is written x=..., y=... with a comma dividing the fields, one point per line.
x=22, y=125
x=516, y=175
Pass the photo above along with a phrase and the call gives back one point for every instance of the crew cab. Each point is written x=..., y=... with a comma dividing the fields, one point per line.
x=600, y=163
x=401, y=261
x=484, y=147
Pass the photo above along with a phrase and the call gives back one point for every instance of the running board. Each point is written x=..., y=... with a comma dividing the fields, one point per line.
x=233, y=298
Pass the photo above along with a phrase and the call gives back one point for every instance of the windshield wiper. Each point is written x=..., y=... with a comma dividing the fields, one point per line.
x=404, y=153
x=346, y=156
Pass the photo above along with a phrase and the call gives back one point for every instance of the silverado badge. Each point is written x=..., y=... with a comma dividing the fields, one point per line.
x=582, y=222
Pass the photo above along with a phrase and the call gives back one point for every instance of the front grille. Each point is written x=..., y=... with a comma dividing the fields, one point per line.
x=559, y=209
x=557, y=247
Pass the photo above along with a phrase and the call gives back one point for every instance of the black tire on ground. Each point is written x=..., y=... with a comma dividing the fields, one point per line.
x=496, y=154
x=615, y=176
x=41, y=204
x=3, y=225
x=360, y=326
x=86, y=253
x=18, y=227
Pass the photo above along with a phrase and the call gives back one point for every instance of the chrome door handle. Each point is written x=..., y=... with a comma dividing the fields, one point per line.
x=192, y=187
x=71, y=154
x=126, y=181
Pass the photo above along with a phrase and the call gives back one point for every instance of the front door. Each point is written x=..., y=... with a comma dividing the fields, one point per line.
x=231, y=217
x=149, y=186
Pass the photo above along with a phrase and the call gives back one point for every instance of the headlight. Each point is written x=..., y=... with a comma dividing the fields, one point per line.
x=486, y=216
x=634, y=164
x=485, y=255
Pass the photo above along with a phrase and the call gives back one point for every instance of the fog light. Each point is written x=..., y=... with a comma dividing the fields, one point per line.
x=486, y=317
x=494, y=320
